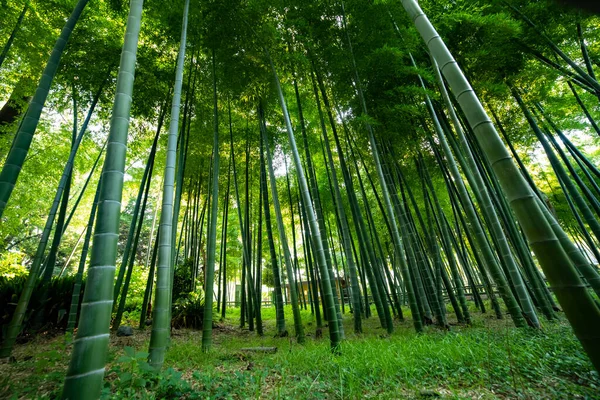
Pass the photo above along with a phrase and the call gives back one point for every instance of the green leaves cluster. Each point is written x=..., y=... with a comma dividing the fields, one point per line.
x=134, y=378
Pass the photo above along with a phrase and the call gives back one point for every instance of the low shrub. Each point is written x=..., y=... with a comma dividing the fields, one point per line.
x=50, y=312
x=188, y=310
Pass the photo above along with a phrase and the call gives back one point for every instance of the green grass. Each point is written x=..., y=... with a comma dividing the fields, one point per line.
x=489, y=359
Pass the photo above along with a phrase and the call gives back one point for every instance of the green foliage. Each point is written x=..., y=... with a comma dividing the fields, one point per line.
x=182, y=280
x=54, y=310
x=491, y=359
x=485, y=37
x=188, y=309
x=487, y=40
x=484, y=41
x=135, y=294
x=60, y=290
x=11, y=265
x=268, y=279
x=136, y=379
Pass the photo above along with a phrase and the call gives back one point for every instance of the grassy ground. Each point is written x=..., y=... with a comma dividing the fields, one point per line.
x=487, y=360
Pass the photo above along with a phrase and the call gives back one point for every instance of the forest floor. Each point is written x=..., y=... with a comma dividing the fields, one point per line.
x=487, y=360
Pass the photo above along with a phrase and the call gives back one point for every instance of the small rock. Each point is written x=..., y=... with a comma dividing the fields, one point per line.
x=148, y=322
x=125, y=330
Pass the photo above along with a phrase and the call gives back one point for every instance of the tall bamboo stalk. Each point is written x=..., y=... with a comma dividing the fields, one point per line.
x=18, y=152
x=211, y=248
x=14, y=326
x=161, y=316
x=399, y=250
x=315, y=236
x=90, y=347
x=13, y=33
x=293, y=289
x=577, y=303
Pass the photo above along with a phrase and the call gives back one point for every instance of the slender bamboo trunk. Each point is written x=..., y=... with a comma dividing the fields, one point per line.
x=293, y=292
x=436, y=301
x=245, y=250
x=161, y=316
x=367, y=248
x=399, y=250
x=475, y=180
x=130, y=245
x=293, y=229
x=445, y=236
x=319, y=211
x=377, y=286
x=584, y=51
x=144, y=314
x=13, y=33
x=346, y=237
x=223, y=256
x=312, y=271
x=16, y=157
x=591, y=81
x=334, y=332
x=183, y=145
x=83, y=189
x=585, y=110
x=247, y=236
x=258, y=267
x=209, y=272
x=123, y=298
x=90, y=347
x=344, y=227
x=434, y=282
x=74, y=308
x=577, y=303
x=14, y=326
x=419, y=271
x=50, y=263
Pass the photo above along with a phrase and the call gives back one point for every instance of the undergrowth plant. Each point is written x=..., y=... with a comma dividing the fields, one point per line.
x=132, y=377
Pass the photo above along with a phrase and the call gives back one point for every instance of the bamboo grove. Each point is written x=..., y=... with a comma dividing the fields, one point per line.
x=327, y=155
